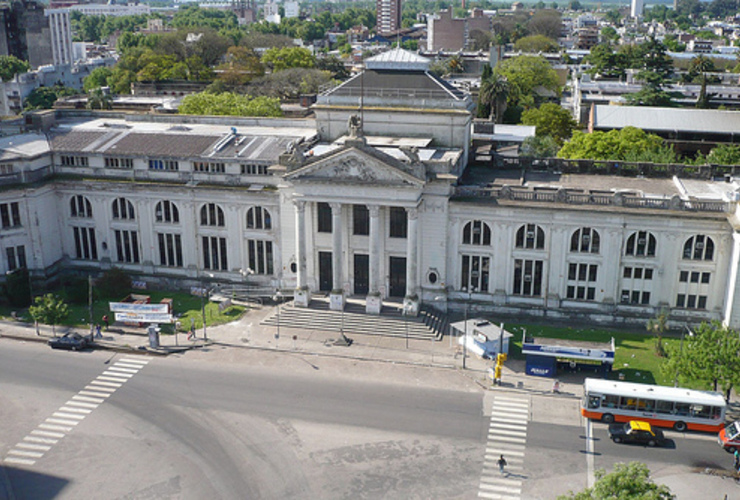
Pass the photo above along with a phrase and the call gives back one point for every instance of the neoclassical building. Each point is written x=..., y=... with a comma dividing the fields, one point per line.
x=376, y=198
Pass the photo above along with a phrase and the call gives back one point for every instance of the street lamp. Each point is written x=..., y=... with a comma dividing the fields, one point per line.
x=680, y=350
x=465, y=337
x=406, y=324
x=203, y=292
x=278, y=297
x=246, y=273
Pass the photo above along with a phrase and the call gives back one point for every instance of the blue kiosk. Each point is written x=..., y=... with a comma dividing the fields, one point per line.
x=548, y=357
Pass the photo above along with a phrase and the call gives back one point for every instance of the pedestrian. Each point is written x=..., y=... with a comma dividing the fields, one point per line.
x=556, y=386
x=501, y=464
x=191, y=335
x=736, y=457
x=98, y=335
x=105, y=320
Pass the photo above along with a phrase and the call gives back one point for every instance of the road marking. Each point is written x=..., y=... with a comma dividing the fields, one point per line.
x=507, y=436
x=72, y=412
x=590, y=454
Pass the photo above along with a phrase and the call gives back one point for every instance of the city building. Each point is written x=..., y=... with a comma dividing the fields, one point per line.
x=61, y=36
x=636, y=7
x=452, y=34
x=25, y=32
x=376, y=198
x=388, y=16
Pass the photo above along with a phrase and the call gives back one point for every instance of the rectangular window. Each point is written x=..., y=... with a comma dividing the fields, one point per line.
x=170, y=250
x=705, y=277
x=528, y=277
x=475, y=272
x=16, y=257
x=253, y=169
x=73, y=161
x=112, y=162
x=648, y=274
x=701, y=303
x=680, y=300
x=683, y=277
x=207, y=166
x=260, y=256
x=399, y=224
x=324, y=217
x=127, y=246
x=214, y=253
x=580, y=277
x=85, y=245
x=360, y=220
x=10, y=215
x=627, y=272
x=694, y=277
x=638, y=273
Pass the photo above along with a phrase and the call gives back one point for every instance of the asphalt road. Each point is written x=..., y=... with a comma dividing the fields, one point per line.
x=179, y=428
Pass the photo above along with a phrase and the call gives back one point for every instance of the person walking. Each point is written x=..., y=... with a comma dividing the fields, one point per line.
x=736, y=457
x=105, y=321
x=98, y=335
x=501, y=464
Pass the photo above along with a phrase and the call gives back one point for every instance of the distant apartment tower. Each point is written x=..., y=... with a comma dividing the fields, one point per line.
x=388, y=15
x=636, y=8
x=452, y=34
x=61, y=36
x=24, y=32
x=292, y=9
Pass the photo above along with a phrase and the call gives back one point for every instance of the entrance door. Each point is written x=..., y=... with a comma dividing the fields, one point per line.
x=362, y=272
x=325, y=272
x=398, y=277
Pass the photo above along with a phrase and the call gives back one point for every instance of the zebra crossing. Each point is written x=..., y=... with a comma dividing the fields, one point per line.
x=507, y=436
x=40, y=440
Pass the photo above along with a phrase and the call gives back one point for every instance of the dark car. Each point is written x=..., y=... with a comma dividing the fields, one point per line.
x=638, y=432
x=70, y=340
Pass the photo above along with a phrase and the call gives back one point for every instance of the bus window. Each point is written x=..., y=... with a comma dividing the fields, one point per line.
x=593, y=402
x=716, y=412
x=627, y=403
x=610, y=402
x=646, y=405
x=664, y=407
x=682, y=409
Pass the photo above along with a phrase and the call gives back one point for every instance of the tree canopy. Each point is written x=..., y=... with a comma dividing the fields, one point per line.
x=10, y=66
x=45, y=97
x=527, y=75
x=725, y=154
x=710, y=356
x=288, y=57
x=627, y=144
x=535, y=44
x=551, y=120
x=228, y=103
x=49, y=310
x=627, y=482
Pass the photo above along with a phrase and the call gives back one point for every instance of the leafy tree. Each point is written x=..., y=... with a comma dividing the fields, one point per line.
x=11, y=66
x=607, y=63
x=481, y=40
x=711, y=356
x=542, y=146
x=551, y=120
x=333, y=65
x=651, y=94
x=289, y=57
x=526, y=75
x=228, y=103
x=241, y=66
x=192, y=16
x=725, y=154
x=575, y=5
x=289, y=83
x=545, y=22
x=49, y=310
x=658, y=325
x=610, y=34
x=96, y=79
x=45, y=97
x=97, y=99
x=536, y=43
x=612, y=145
x=702, y=65
x=626, y=482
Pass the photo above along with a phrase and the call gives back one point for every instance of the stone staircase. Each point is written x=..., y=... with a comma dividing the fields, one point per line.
x=430, y=324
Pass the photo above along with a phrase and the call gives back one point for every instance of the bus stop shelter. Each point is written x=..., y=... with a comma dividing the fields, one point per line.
x=548, y=357
x=482, y=337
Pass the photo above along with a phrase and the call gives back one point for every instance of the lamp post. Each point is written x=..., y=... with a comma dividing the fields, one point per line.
x=246, y=273
x=680, y=350
x=465, y=337
x=278, y=297
x=406, y=323
x=203, y=292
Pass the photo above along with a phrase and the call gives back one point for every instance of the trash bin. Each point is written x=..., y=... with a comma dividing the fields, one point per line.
x=153, y=336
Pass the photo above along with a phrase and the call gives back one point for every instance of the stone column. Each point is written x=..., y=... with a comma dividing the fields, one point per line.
x=374, y=302
x=336, y=299
x=302, y=295
x=411, y=301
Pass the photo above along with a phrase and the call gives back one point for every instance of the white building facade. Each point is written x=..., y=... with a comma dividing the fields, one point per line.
x=374, y=199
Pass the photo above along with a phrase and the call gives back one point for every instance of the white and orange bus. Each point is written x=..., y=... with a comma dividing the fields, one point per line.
x=681, y=409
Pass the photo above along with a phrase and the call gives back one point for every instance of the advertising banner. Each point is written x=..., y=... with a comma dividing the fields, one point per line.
x=130, y=307
x=132, y=317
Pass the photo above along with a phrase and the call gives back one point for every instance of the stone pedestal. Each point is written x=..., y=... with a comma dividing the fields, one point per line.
x=336, y=300
x=302, y=297
x=411, y=306
x=373, y=303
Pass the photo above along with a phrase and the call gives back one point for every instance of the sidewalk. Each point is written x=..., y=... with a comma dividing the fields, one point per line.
x=248, y=332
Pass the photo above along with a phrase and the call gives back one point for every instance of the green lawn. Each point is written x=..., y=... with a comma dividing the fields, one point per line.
x=184, y=305
x=635, y=350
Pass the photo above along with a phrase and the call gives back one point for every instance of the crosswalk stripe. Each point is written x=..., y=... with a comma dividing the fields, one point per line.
x=506, y=432
x=109, y=384
x=22, y=461
x=61, y=421
x=75, y=410
x=97, y=401
x=141, y=362
x=21, y=453
x=501, y=488
x=29, y=446
x=82, y=403
x=55, y=427
x=509, y=419
x=500, y=480
x=511, y=404
x=496, y=496
x=514, y=400
x=99, y=395
x=67, y=415
x=506, y=439
x=122, y=369
x=35, y=439
x=112, y=373
x=100, y=388
x=120, y=381
x=47, y=433
x=511, y=411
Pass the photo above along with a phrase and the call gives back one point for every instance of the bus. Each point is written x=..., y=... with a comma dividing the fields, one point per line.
x=611, y=401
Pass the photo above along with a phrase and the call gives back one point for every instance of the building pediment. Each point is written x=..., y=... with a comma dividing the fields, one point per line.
x=356, y=167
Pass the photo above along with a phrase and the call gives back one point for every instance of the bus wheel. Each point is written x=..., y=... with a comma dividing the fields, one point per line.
x=607, y=418
x=680, y=426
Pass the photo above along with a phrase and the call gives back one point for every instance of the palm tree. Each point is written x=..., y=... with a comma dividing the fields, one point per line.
x=493, y=94
x=702, y=64
x=97, y=99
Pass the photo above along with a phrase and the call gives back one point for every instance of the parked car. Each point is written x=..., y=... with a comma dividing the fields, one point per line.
x=636, y=431
x=729, y=437
x=70, y=340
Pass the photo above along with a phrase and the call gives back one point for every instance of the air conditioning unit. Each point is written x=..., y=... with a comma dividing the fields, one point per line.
x=586, y=239
x=700, y=245
x=474, y=274
x=530, y=234
x=527, y=277
x=641, y=241
x=476, y=230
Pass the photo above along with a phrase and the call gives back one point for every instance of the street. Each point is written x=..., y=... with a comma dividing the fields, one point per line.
x=242, y=423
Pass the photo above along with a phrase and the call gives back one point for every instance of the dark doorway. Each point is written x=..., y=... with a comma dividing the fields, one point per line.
x=325, y=272
x=398, y=277
x=362, y=272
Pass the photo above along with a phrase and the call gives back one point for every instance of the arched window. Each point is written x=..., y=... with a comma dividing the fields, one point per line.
x=585, y=240
x=123, y=209
x=166, y=211
x=212, y=215
x=80, y=207
x=641, y=244
x=258, y=218
x=476, y=233
x=699, y=247
x=530, y=236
